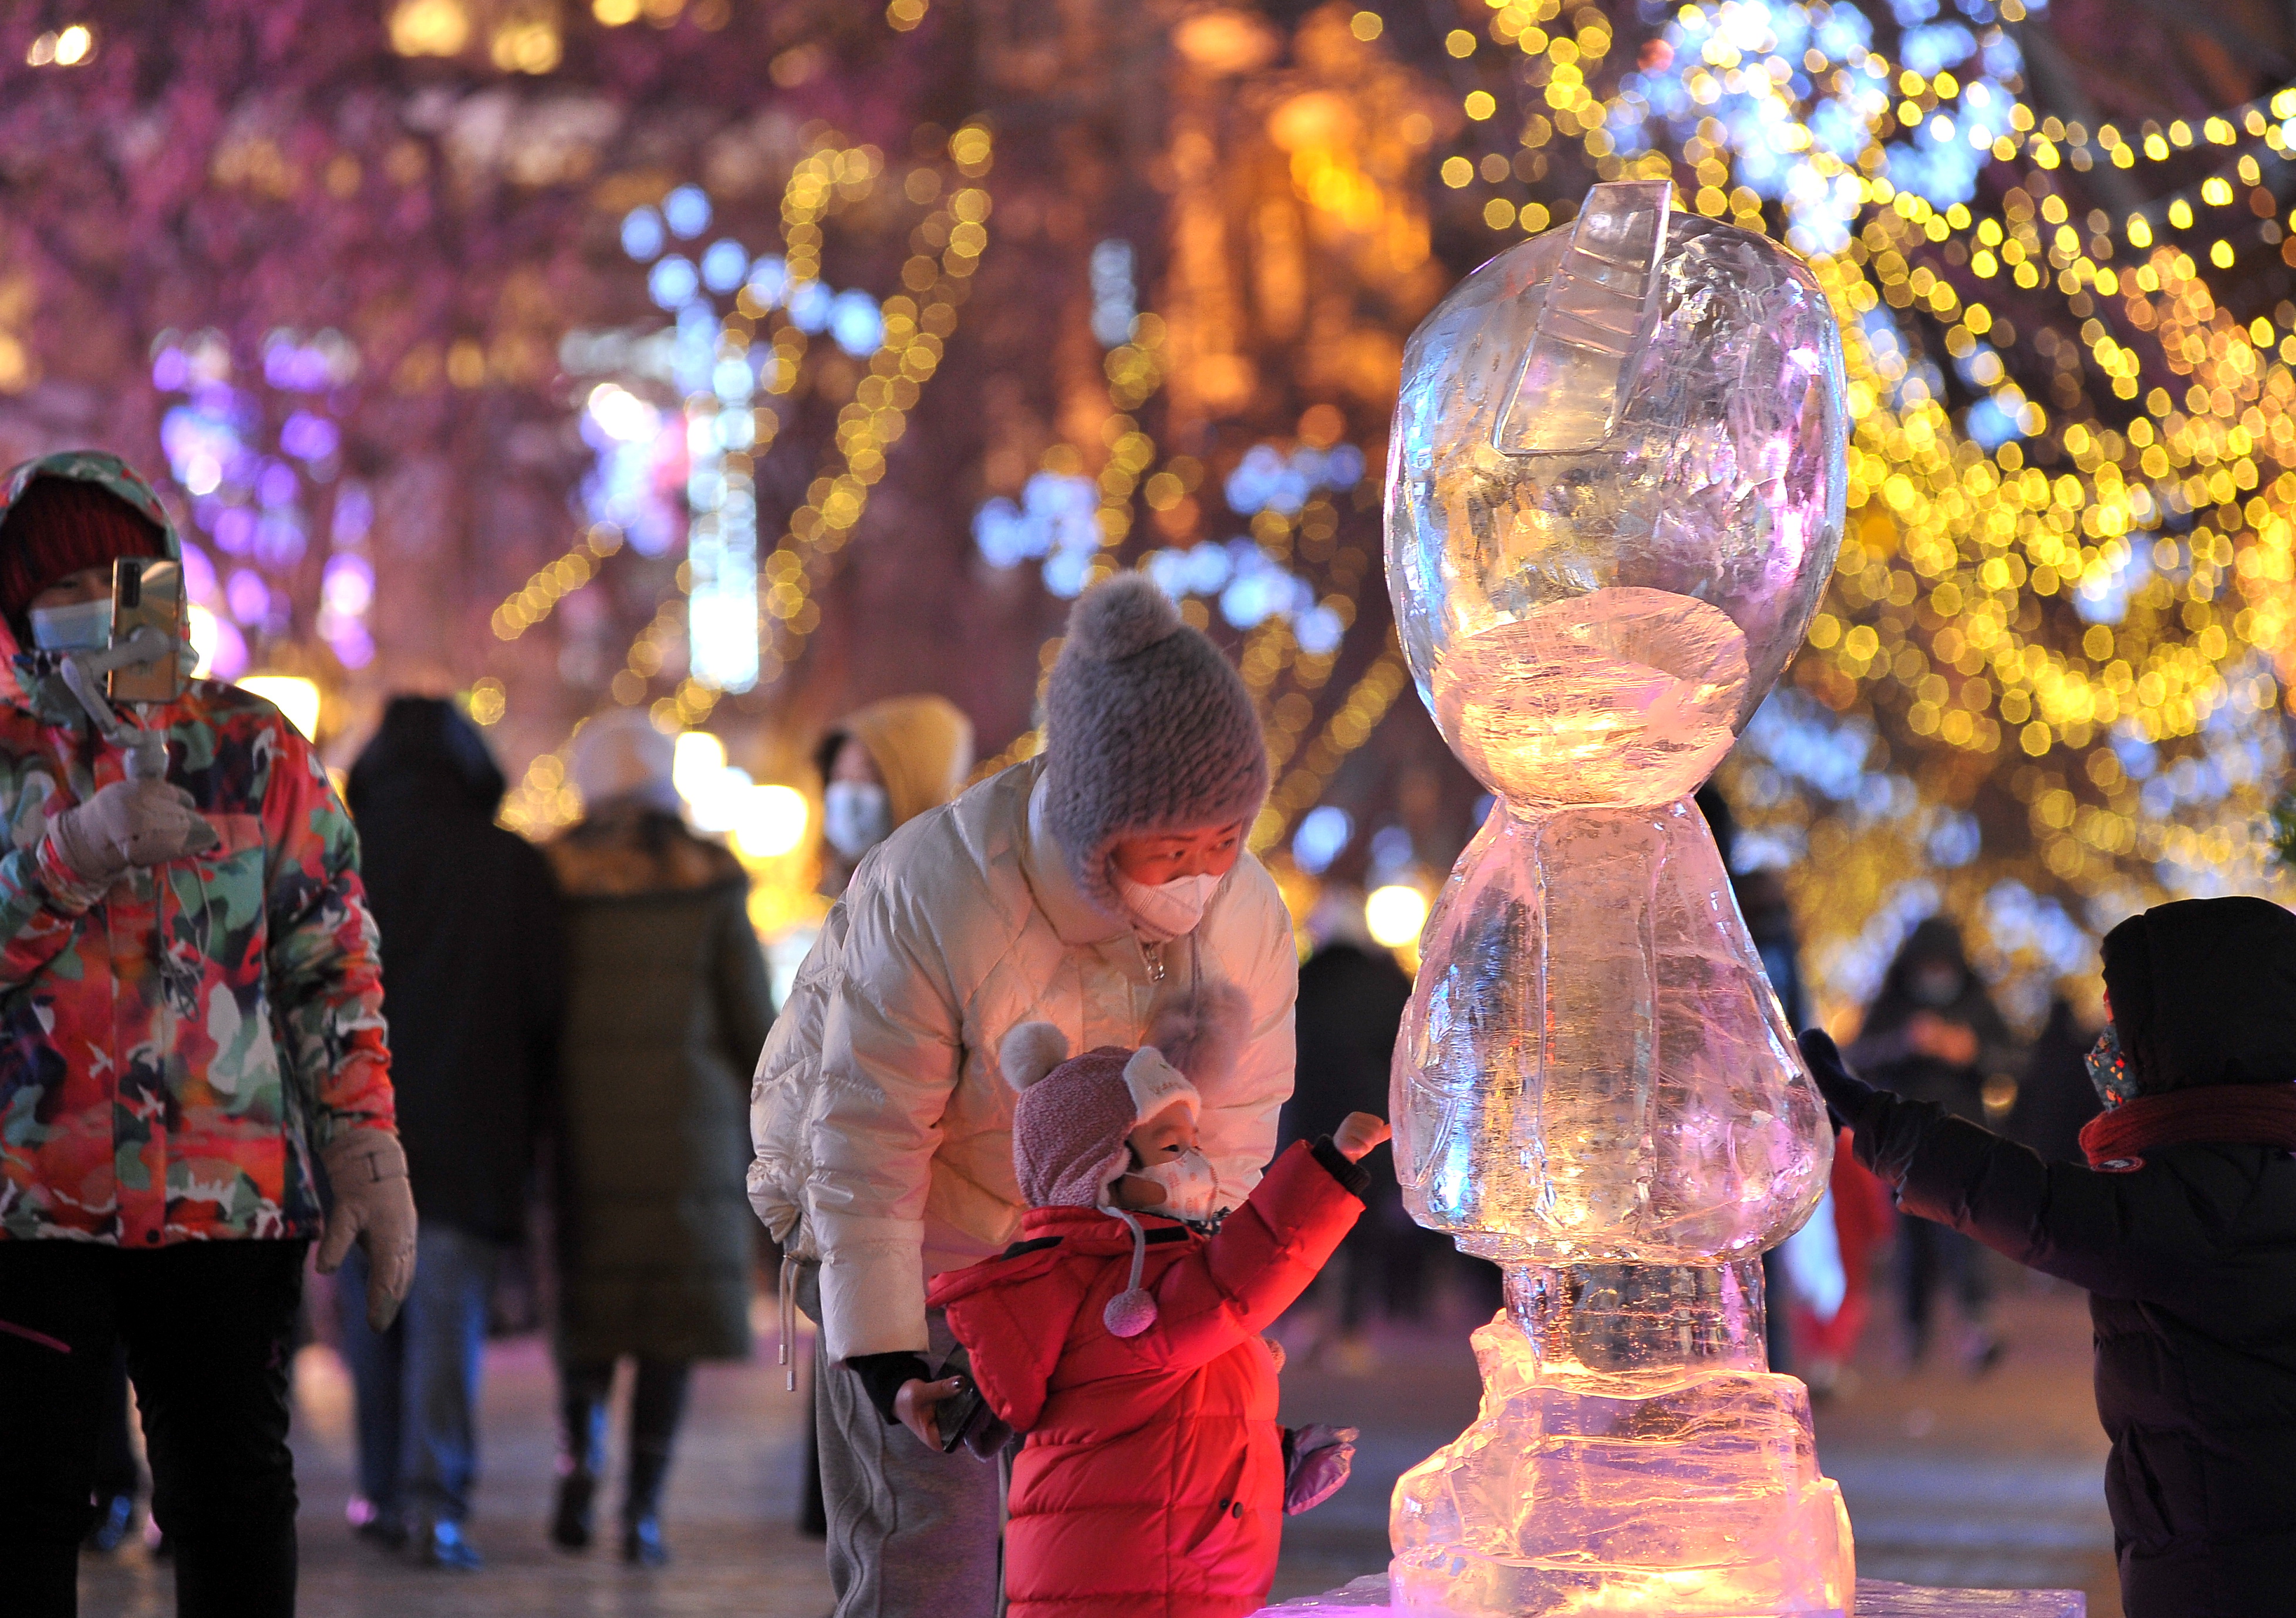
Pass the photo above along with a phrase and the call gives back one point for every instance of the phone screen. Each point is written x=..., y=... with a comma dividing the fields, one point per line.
x=147, y=592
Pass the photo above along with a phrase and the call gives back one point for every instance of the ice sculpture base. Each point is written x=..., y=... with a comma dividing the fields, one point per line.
x=1370, y=1597
x=1633, y=1458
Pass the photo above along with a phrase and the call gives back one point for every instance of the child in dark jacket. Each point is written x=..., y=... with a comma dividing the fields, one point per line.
x=2182, y=1229
x=1124, y=1341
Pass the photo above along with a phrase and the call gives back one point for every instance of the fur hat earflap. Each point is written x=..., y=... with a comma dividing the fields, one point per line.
x=1156, y=1084
x=1203, y=1033
x=1030, y=1052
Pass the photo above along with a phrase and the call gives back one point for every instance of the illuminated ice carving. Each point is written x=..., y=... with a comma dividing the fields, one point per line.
x=1615, y=494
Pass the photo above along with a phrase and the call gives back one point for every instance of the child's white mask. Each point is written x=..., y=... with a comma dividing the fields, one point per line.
x=1188, y=1183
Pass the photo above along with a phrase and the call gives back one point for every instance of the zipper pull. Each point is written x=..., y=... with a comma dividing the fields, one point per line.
x=1154, y=954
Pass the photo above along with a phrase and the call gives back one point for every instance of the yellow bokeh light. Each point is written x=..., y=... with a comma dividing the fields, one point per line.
x=430, y=27
x=292, y=696
x=1395, y=914
x=771, y=822
x=698, y=762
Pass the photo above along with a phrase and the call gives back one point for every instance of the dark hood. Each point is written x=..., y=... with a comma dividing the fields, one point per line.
x=1933, y=941
x=426, y=755
x=108, y=472
x=2203, y=992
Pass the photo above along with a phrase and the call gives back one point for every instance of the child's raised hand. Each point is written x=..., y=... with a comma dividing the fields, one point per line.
x=1359, y=1133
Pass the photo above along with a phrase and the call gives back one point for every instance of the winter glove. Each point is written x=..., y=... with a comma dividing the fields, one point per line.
x=129, y=823
x=1847, y=1096
x=373, y=1205
x=1316, y=1460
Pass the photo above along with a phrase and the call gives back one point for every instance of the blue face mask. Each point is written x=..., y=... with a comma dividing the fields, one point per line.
x=85, y=626
x=2108, y=1069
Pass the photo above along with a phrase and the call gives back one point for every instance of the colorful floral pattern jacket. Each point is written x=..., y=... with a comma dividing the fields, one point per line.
x=174, y=1051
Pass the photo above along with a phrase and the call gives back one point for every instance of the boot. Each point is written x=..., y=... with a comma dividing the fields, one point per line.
x=642, y=1545
x=570, y=1520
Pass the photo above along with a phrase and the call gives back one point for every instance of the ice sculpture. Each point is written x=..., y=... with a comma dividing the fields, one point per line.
x=1614, y=496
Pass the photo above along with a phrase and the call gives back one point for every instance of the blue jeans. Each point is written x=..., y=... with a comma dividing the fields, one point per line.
x=418, y=1383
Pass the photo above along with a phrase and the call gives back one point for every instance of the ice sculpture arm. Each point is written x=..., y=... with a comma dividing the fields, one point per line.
x=1251, y=946
x=1233, y=1288
x=2114, y=1235
x=890, y=1057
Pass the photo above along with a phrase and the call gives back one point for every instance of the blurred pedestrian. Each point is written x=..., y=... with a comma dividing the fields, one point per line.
x=882, y=766
x=1768, y=914
x=2182, y=1225
x=1120, y=1336
x=1352, y=996
x=1086, y=887
x=2055, y=1098
x=474, y=955
x=1863, y=1216
x=667, y=1008
x=191, y=1013
x=1933, y=1034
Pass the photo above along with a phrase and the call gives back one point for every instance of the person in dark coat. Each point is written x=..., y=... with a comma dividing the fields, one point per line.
x=2182, y=1225
x=2055, y=1098
x=667, y=1007
x=1352, y=996
x=474, y=979
x=1933, y=1034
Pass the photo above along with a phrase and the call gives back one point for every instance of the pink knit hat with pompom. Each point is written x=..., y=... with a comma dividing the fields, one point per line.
x=1071, y=1125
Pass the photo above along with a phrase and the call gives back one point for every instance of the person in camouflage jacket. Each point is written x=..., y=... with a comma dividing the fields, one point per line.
x=185, y=1040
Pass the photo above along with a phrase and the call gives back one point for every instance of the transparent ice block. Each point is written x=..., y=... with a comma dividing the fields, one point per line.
x=1615, y=495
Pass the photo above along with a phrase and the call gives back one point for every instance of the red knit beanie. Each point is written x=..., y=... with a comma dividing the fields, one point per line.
x=58, y=526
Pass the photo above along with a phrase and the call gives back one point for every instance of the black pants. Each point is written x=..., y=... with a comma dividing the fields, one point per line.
x=657, y=1406
x=1928, y=1253
x=208, y=1328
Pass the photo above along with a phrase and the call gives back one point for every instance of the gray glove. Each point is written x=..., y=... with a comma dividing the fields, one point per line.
x=366, y=1167
x=129, y=823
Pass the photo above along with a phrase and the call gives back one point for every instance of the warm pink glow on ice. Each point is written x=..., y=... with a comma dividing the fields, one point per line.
x=1616, y=496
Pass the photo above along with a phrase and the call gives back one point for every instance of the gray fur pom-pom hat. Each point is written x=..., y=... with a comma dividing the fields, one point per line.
x=1148, y=728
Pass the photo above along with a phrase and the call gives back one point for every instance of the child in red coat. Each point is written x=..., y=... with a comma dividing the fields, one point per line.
x=1125, y=1341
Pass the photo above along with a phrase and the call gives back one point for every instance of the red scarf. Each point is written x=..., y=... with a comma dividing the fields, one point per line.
x=2224, y=1114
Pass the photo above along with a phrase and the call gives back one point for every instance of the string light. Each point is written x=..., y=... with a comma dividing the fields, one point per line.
x=553, y=581
x=1348, y=728
x=2108, y=631
x=914, y=342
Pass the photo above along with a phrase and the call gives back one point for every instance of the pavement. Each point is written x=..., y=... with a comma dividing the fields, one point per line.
x=1950, y=1481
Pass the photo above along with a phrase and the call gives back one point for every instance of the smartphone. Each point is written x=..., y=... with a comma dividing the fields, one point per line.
x=958, y=1413
x=147, y=592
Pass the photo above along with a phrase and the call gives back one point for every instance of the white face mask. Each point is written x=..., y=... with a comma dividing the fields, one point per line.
x=1189, y=1186
x=85, y=626
x=856, y=816
x=1169, y=911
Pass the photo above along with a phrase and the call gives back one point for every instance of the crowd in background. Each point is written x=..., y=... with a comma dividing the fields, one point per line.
x=588, y=1090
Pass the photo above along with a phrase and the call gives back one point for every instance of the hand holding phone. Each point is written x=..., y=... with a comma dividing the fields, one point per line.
x=918, y=1404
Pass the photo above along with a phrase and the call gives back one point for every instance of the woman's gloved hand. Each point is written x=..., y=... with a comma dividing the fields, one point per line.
x=1316, y=1461
x=128, y=823
x=374, y=1206
x=1846, y=1094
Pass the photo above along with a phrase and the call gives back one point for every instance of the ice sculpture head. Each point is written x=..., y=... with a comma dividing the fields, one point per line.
x=1615, y=493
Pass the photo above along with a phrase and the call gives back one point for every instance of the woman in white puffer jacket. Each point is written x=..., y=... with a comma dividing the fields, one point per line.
x=1090, y=888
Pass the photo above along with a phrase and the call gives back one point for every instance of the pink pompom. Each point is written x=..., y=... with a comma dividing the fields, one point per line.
x=1129, y=1313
